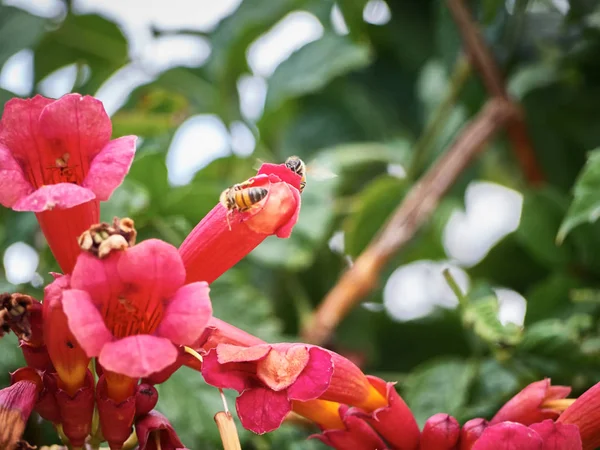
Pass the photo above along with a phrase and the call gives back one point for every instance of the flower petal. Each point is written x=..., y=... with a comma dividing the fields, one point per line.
x=153, y=264
x=187, y=314
x=85, y=321
x=508, y=436
x=396, y=415
x=285, y=229
x=280, y=207
x=225, y=376
x=110, y=166
x=282, y=366
x=282, y=172
x=13, y=183
x=441, y=432
x=470, y=432
x=526, y=406
x=98, y=277
x=585, y=413
x=54, y=196
x=558, y=436
x=315, y=378
x=20, y=133
x=228, y=353
x=155, y=422
x=262, y=410
x=138, y=356
x=77, y=125
x=356, y=435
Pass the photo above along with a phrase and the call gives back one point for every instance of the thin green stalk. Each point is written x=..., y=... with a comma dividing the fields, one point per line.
x=423, y=147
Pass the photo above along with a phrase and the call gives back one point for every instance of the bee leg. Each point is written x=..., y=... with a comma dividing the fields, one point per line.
x=227, y=217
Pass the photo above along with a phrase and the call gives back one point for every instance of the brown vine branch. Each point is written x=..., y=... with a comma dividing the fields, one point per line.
x=481, y=57
x=415, y=209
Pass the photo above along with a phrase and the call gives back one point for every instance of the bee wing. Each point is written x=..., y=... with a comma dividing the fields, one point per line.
x=319, y=171
x=259, y=162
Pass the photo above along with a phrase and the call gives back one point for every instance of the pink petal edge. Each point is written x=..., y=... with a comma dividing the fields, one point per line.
x=51, y=196
x=187, y=314
x=224, y=376
x=154, y=264
x=13, y=183
x=315, y=378
x=85, y=321
x=262, y=410
x=109, y=167
x=138, y=356
x=79, y=124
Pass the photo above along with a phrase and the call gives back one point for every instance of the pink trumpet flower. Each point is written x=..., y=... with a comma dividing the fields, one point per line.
x=223, y=238
x=57, y=160
x=132, y=310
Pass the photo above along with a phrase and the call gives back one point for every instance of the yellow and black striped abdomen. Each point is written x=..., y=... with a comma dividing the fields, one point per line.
x=245, y=198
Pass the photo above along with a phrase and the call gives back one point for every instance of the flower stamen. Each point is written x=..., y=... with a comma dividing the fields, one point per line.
x=558, y=405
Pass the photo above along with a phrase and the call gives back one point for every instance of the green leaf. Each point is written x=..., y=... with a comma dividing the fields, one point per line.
x=551, y=337
x=550, y=297
x=373, y=206
x=12, y=358
x=439, y=385
x=482, y=316
x=586, y=202
x=18, y=30
x=493, y=384
x=190, y=404
x=540, y=220
x=237, y=300
x=235, y=33
x=314, y=66
x=87, y=39
x=4, y=97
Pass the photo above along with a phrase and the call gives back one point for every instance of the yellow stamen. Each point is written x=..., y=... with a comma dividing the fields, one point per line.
x=558, y=405
x=193, y=352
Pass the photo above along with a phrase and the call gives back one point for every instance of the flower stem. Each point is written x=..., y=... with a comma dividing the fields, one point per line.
x=462, y=299
x=228, y=431
x=460, y=75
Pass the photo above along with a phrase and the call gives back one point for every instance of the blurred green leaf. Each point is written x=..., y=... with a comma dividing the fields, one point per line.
x=550, y=337
x=313, y=66
x=551, y=297
x=586, y=201
x=540, y=219
x=84, y=40
x=439, y=386
x=492, y=385
x=234, y=293
x=373, y=206
x=482, y=316
x=18, y=30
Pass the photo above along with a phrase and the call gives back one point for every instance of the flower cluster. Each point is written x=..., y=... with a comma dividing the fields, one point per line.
x=124, y=316
x=120, y=312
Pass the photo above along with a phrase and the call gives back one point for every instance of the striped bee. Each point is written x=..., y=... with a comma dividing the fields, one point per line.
x=296, y=165
x=241, y=197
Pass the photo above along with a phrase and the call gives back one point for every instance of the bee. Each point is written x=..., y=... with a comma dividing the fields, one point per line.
x=296, y=165
x=241, y=197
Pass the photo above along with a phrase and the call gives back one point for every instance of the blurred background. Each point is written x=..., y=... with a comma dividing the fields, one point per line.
x=373, y=92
